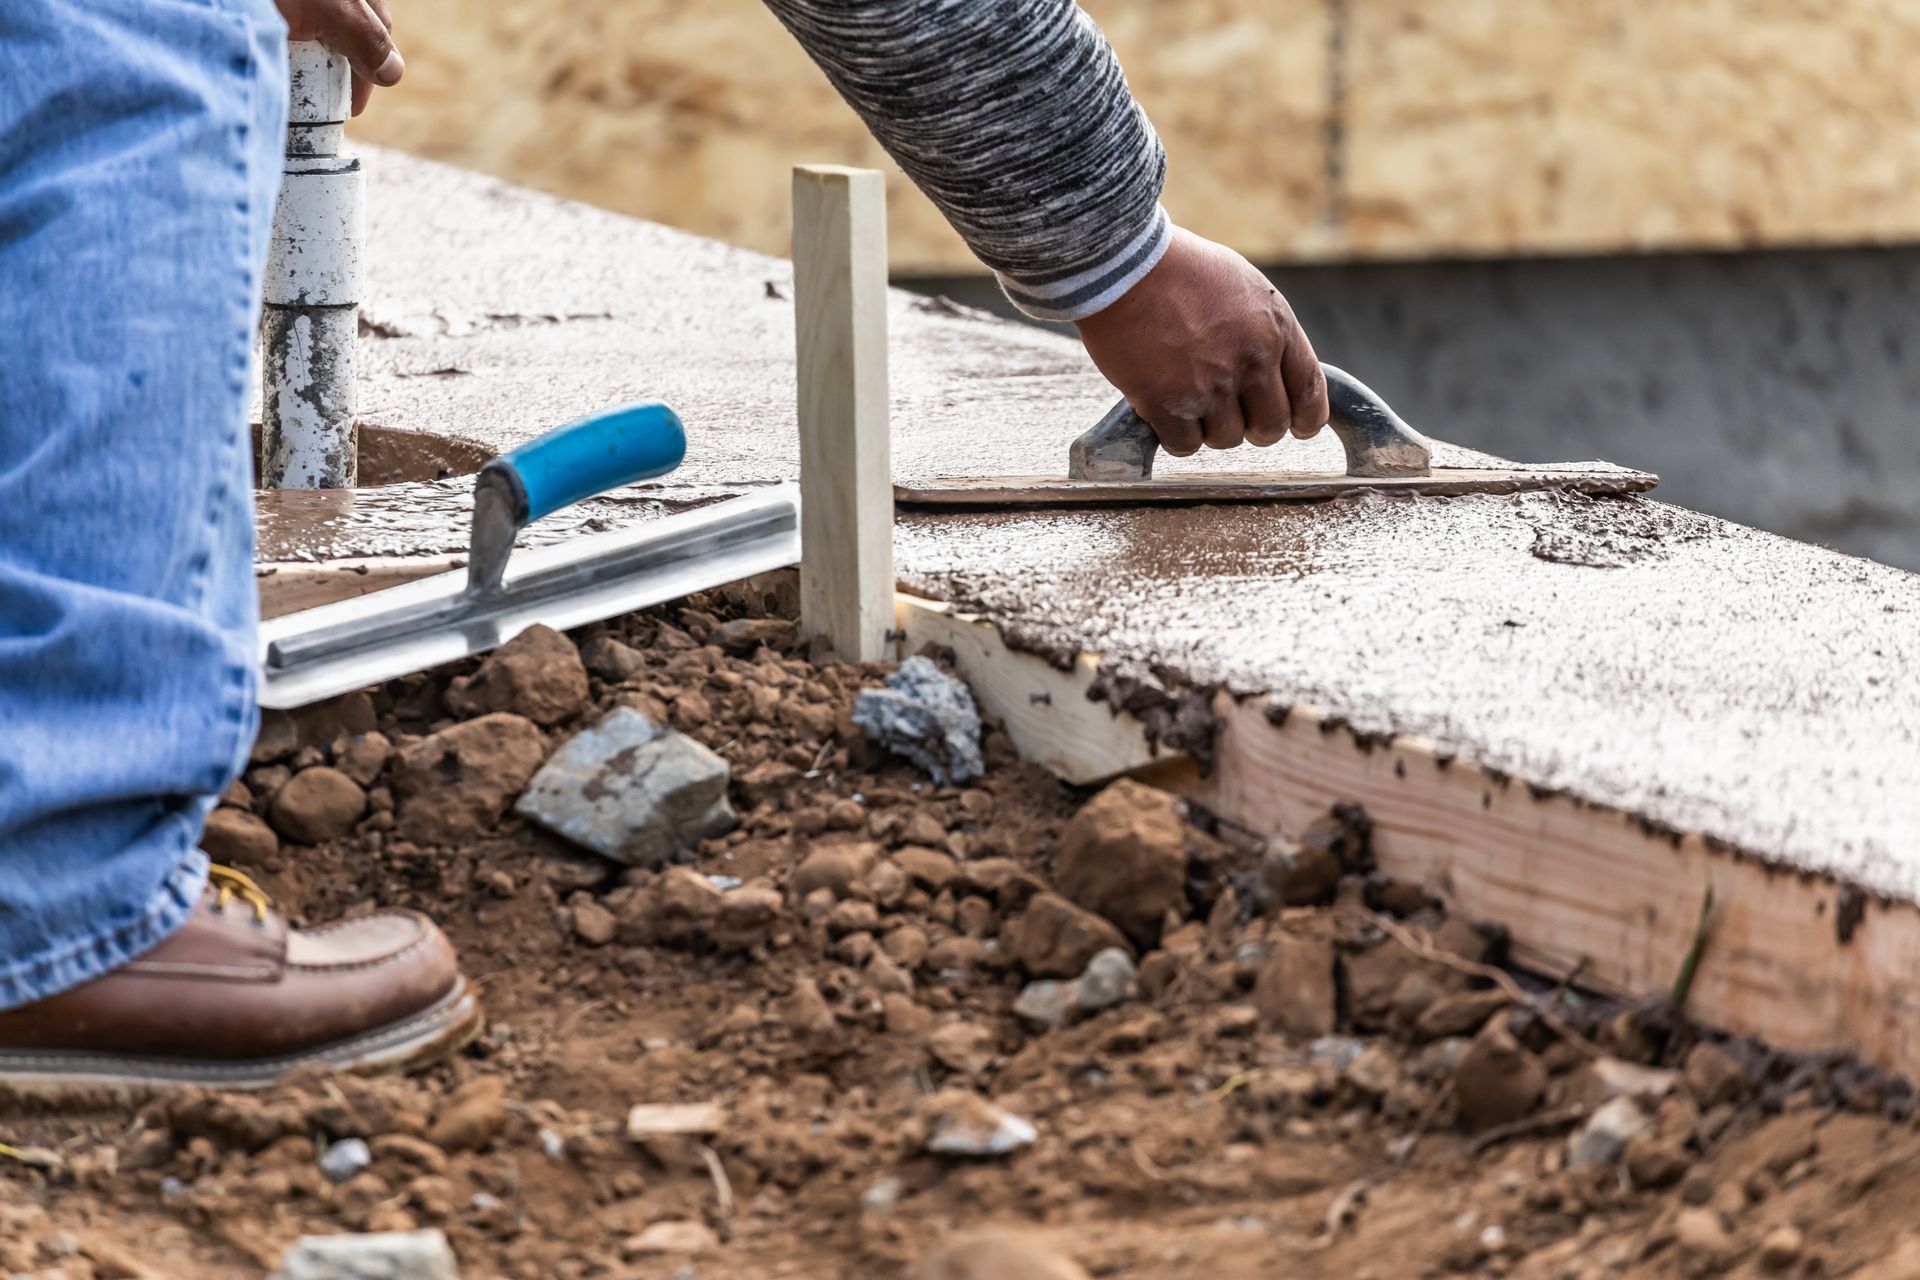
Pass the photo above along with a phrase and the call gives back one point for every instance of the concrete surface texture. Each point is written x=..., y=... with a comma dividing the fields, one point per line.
x=1779, y=388
x=1707, y=677
x=1298, y=129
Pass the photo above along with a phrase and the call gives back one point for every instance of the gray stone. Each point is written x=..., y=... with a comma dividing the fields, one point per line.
x=964, y=1124
x=927, y=716
x=389, y=1255
x=1604, y=1137
x=631, y=790
x=1110, y=978
x=344, y=1159
x=1045, y=1003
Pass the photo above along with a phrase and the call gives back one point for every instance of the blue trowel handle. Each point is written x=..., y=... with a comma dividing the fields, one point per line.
x=590, y=455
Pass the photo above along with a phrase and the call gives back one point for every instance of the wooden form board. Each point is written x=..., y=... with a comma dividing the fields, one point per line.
x=1046, y=711
x=1576, y=884
x=846, y=460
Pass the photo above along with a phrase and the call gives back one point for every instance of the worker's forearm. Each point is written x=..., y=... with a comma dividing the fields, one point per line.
x=1013, y=117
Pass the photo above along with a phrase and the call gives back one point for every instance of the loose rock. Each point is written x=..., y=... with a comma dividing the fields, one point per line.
x=1782, y=1247
x=1701, y=1233
x=473, y=1114
x=1045, y=1003
x=631, y=790
x=389, y=1255
x=612, y=660
x=592, y=923
x=1056, y=939
x=1298, y=875
x=966, y=1047
x=1295, y=991
x=317, y=805
x=1602, y=1079
x=906, y=946
x=678, y=908
x=837, y=868
x=344, y=1159
x=806, y=1011
x=960, y=1123
x=1497, y=1080
x=1654, y=1161
x=741, y=636
x=765, y=781
x=928, y=868
x=747, y=917
x=927, y=716
x=1603, y=1138
x=364, y=758
x=1124, y=856
x=236, y=837
x=456, y=783
x=1712, y=1076
x=537, y=674
x=1110, y=978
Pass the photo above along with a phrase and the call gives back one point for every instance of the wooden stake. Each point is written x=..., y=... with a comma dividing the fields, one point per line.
x=846, y=466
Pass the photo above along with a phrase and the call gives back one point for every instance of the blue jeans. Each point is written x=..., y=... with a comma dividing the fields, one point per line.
x=140, y=145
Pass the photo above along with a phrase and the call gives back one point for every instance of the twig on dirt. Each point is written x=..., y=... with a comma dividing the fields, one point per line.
x=1691, y=963
x=814, y=770
x=1231, y=1083
x=577, y=1013
x=32, y=1157
x=1346, y=1206
x=1540, y=1122
x=1499, y=977
x=1403, y=1148
x=1142, y=1162
x=722, y=1188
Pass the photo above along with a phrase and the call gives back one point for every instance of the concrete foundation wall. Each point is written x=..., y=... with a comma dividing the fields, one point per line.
x=1779, y=389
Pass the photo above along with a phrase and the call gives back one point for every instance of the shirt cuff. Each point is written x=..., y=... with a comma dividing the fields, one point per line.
x=1079, y=293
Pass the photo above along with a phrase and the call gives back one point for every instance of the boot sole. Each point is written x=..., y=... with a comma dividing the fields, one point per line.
x=419, y=1041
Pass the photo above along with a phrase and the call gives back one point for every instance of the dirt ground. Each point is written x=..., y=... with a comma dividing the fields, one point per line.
x=1316, y=1072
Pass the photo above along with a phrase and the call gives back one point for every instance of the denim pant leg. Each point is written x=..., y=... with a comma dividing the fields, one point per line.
x=140, y=145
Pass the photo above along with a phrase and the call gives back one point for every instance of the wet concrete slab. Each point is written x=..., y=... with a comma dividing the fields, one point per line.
x=1704, y=676
x=1701, y=675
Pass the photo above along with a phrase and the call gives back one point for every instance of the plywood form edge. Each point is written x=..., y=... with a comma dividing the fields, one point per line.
x=1577, y=884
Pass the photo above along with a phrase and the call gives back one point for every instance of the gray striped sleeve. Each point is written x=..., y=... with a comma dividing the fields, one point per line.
x=1014, y=118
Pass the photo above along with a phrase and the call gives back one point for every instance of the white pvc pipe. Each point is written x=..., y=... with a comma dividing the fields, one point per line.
x=313, y=288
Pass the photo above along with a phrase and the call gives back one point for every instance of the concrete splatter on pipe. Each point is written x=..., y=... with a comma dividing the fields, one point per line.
x=313, y=288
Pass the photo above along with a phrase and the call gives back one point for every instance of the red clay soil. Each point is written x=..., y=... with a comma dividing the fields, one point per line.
x=1322, y=1075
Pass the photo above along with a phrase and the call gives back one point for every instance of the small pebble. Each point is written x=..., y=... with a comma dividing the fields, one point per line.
x=344, y=1159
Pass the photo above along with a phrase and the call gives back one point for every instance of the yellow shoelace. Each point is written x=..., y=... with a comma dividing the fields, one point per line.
x=234, y=884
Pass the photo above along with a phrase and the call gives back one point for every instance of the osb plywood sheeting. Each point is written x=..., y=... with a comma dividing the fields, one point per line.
x=1495, y=126
x=692, y=113
x=1297, y=129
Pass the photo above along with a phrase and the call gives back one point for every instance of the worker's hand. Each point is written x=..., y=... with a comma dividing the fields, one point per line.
x=359, y=31
x=1208, y=352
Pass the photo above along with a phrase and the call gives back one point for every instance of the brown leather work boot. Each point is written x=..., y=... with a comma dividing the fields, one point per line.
x=237, y=999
